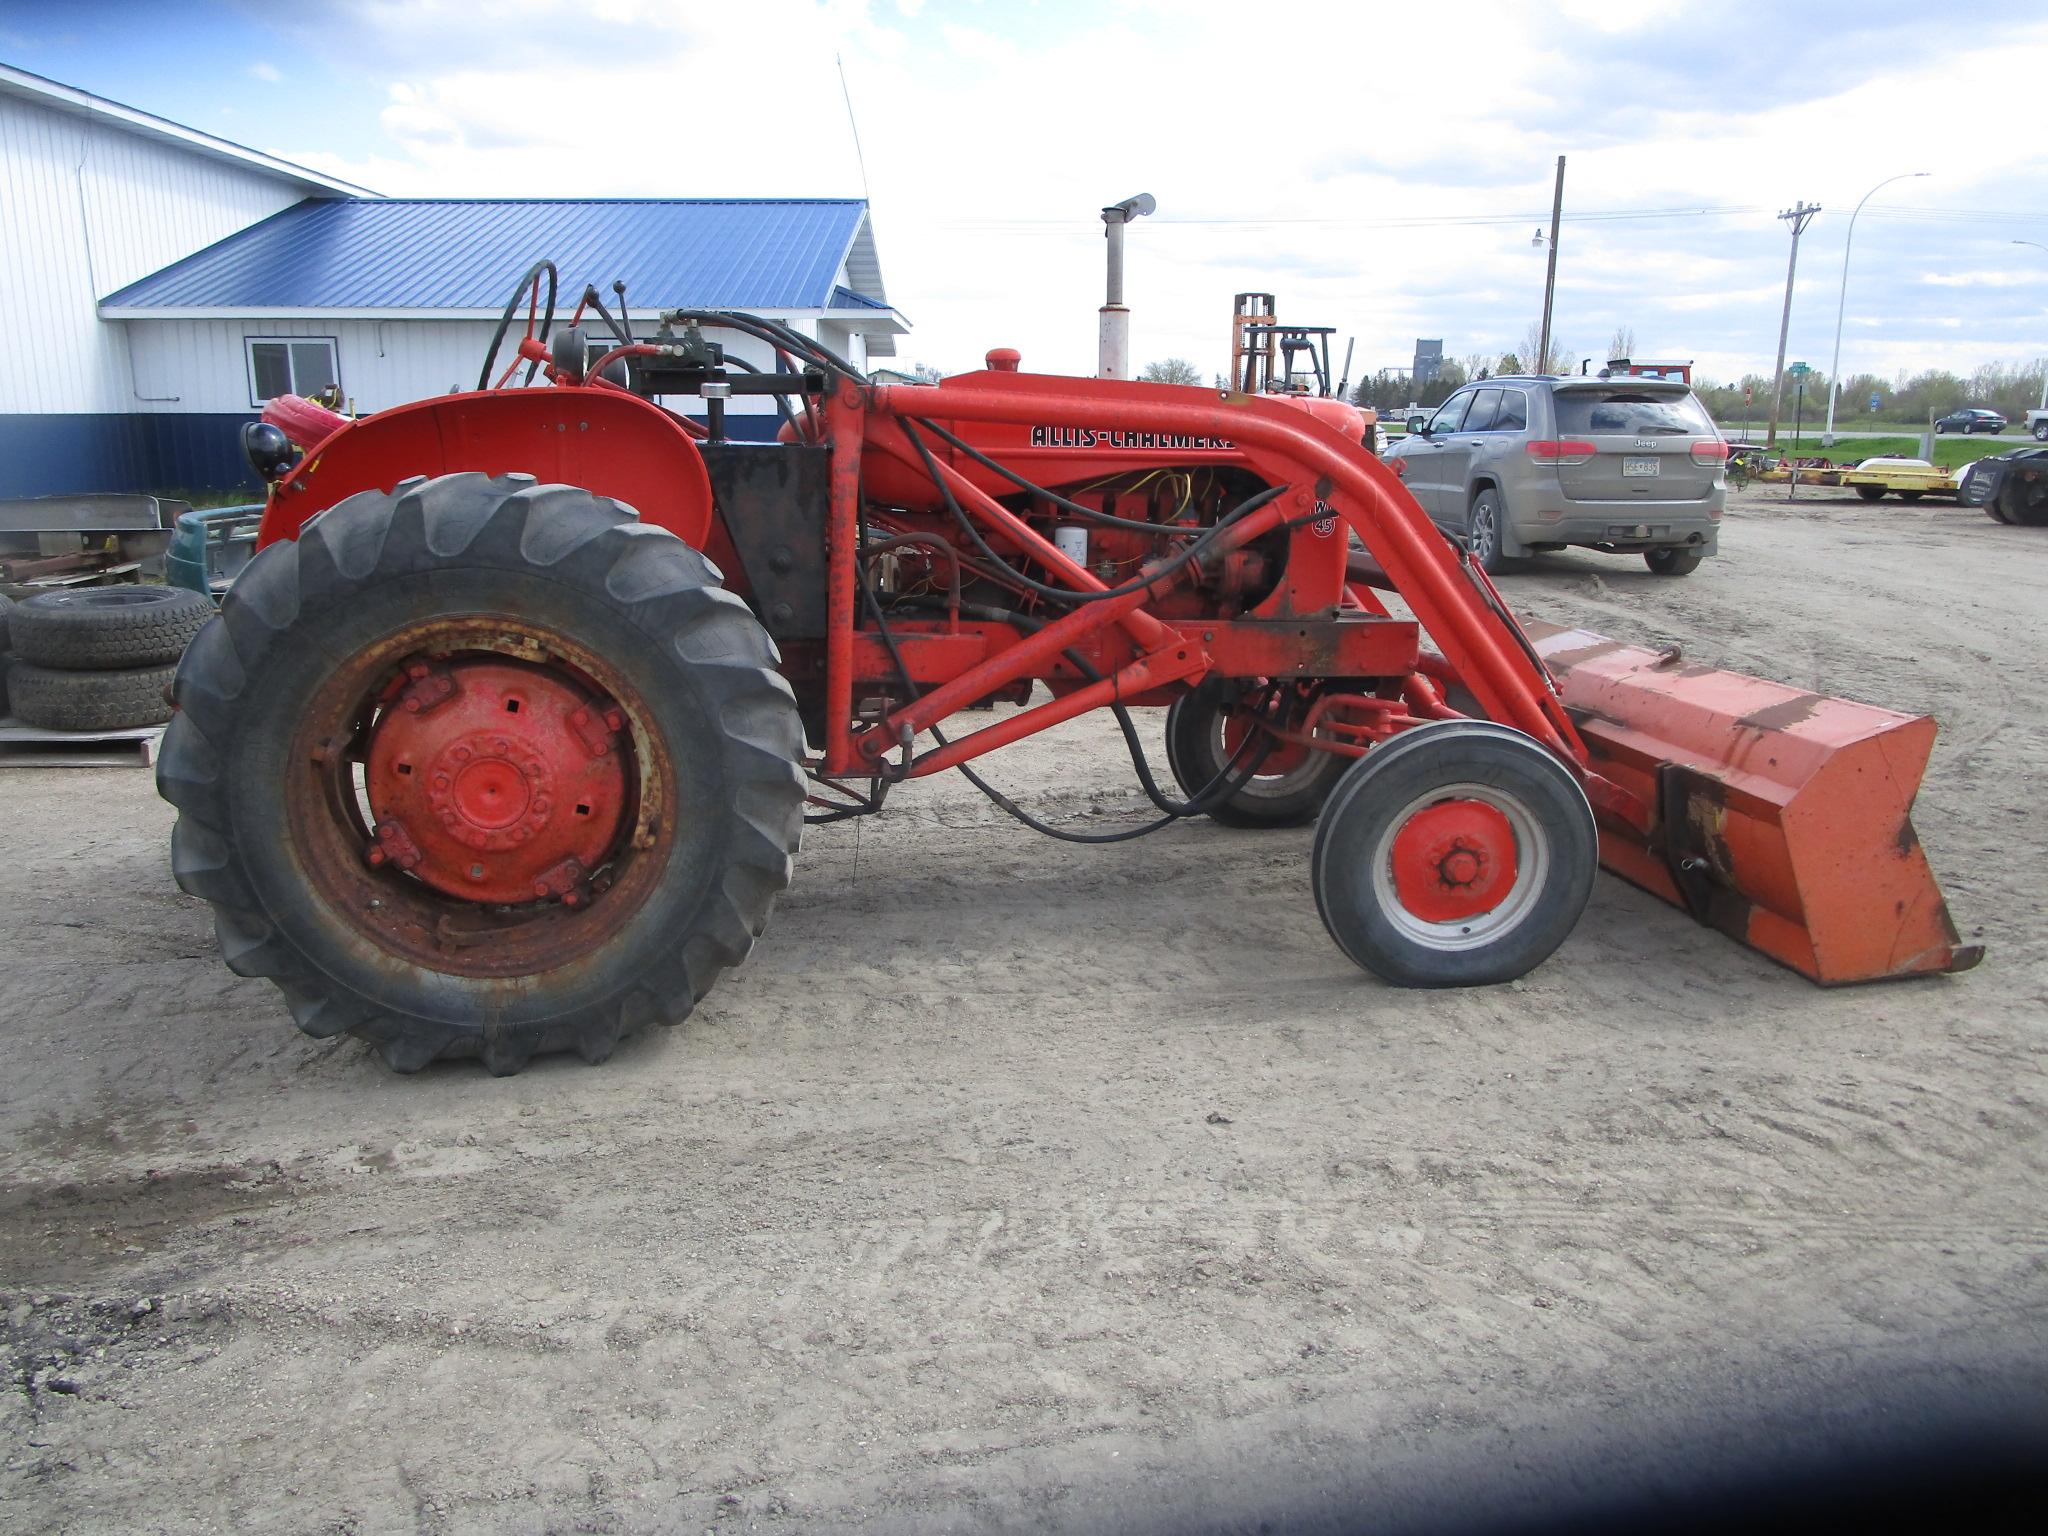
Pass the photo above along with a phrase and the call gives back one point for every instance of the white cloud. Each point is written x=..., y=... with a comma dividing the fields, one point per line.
x=266, y=72
x=1358, y=190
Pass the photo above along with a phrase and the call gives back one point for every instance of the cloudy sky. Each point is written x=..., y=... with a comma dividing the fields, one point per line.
x=1379, y=168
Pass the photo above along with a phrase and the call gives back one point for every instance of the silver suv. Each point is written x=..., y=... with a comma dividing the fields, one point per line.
x=1521, y=464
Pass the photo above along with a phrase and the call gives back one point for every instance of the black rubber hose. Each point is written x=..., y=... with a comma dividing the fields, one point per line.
x=1141, y=764
x=781, y=402
x=1067, y=594
x=1224, y=784
x=1073, y=508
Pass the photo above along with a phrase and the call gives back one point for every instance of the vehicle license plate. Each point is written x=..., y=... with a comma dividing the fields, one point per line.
x=1641, y=466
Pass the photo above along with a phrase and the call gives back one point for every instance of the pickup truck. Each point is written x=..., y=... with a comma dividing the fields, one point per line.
x=2037, y=423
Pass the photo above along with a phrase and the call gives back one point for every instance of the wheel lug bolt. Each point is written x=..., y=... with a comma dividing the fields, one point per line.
x=476, y=871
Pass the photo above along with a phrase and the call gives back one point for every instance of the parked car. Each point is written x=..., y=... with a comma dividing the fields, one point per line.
x=1971, y=418
x=1525, y=463
x=2010, y=487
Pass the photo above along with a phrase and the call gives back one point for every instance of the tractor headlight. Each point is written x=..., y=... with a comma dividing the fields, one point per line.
x=269, y=452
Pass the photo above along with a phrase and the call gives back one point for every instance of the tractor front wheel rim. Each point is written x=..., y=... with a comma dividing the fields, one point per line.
x=1459, y=866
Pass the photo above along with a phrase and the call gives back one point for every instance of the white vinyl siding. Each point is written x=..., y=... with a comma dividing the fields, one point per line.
x=90, y=208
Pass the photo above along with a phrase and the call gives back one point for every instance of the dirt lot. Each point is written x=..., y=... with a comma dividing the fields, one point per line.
x=1016, y=1185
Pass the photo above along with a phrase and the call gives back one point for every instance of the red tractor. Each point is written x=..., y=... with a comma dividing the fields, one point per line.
x=505, y=740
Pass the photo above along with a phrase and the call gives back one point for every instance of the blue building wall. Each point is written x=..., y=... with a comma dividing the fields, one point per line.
x=64, y=455
x=156, y=454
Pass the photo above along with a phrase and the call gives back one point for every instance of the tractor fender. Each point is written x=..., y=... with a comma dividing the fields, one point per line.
x=604, y=440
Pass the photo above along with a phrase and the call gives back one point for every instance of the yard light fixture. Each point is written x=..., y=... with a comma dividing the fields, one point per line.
x=1827, y=436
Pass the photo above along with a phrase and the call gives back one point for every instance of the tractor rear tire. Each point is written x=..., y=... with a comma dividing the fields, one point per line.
x=1290, y=795
x=102, y=628
x=289, y=705
x=87, y=701
x=1458, y=854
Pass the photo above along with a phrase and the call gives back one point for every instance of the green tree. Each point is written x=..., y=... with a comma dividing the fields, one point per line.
x=1174, y=370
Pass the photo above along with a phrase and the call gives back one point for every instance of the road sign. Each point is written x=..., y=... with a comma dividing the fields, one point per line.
x=1799, y=370
x=1874, y=399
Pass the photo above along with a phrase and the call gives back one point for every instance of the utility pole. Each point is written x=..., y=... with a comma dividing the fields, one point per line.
x=1550, y=276
x=1799, y=216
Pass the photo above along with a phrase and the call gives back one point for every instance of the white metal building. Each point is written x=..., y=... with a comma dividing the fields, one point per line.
x=94, y=195
x=171, y=281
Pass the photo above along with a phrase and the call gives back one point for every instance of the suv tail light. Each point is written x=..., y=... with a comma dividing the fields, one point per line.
x=1710, y=451
x=1550, y=450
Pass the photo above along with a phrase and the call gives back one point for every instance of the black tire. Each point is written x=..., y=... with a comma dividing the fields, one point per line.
x=1911, y=496
x=1870, y=492
x=1196, y=753
x=87, y=701
x=2023, y=502
x=1673, y=560
x=2041, y=432
x=1940, y=428
x=707, y=725
x=1532, y=795
x=6, y=625
x=95, y=628
x=1483, y=531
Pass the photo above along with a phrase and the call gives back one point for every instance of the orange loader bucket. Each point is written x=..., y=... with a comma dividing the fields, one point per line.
x=1781, y=817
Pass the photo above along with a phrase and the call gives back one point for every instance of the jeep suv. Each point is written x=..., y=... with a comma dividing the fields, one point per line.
x=1523, y=463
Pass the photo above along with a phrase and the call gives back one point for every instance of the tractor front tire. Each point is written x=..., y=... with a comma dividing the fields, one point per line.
x=483, y=768
x=1204, y=738
x=1458, y=854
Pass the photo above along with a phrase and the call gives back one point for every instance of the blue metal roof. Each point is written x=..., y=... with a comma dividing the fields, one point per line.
x=393, y=253
x=846, y=298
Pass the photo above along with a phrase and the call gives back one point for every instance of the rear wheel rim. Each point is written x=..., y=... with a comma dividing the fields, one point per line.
x=1459, y=866
x=533, y=854
x=1484, y=533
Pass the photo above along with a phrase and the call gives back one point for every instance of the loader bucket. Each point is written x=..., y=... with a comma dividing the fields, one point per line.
x=1781, y=817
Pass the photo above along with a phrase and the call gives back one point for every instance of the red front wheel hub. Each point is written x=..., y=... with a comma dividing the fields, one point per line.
x=1454, y=860
x=496, y=780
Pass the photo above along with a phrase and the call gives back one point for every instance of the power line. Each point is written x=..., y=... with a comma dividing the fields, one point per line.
x=1418, y=222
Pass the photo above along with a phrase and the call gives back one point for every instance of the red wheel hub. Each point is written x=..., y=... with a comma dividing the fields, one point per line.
x=497, y=781
x=1454, y=860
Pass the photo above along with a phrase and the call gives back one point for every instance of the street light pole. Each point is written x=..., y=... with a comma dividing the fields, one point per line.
x=2037, y=245
x=1827, y=435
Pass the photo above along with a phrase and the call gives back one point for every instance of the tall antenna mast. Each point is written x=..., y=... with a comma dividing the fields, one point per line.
x=859, y=158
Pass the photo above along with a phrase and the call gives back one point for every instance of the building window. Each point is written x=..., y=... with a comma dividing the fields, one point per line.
x=291, y=366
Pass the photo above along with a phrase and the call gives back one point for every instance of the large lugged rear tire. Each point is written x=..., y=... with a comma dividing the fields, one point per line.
x=102, y=628
x=483, y=768
x=1458, y=854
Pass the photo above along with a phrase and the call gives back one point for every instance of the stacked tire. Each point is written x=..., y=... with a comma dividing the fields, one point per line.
x=99, y=658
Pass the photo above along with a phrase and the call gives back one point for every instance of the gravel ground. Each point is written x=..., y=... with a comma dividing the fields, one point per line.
x=1013, y=1185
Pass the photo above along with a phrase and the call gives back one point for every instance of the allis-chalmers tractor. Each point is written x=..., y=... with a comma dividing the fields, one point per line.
x=504, y=742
